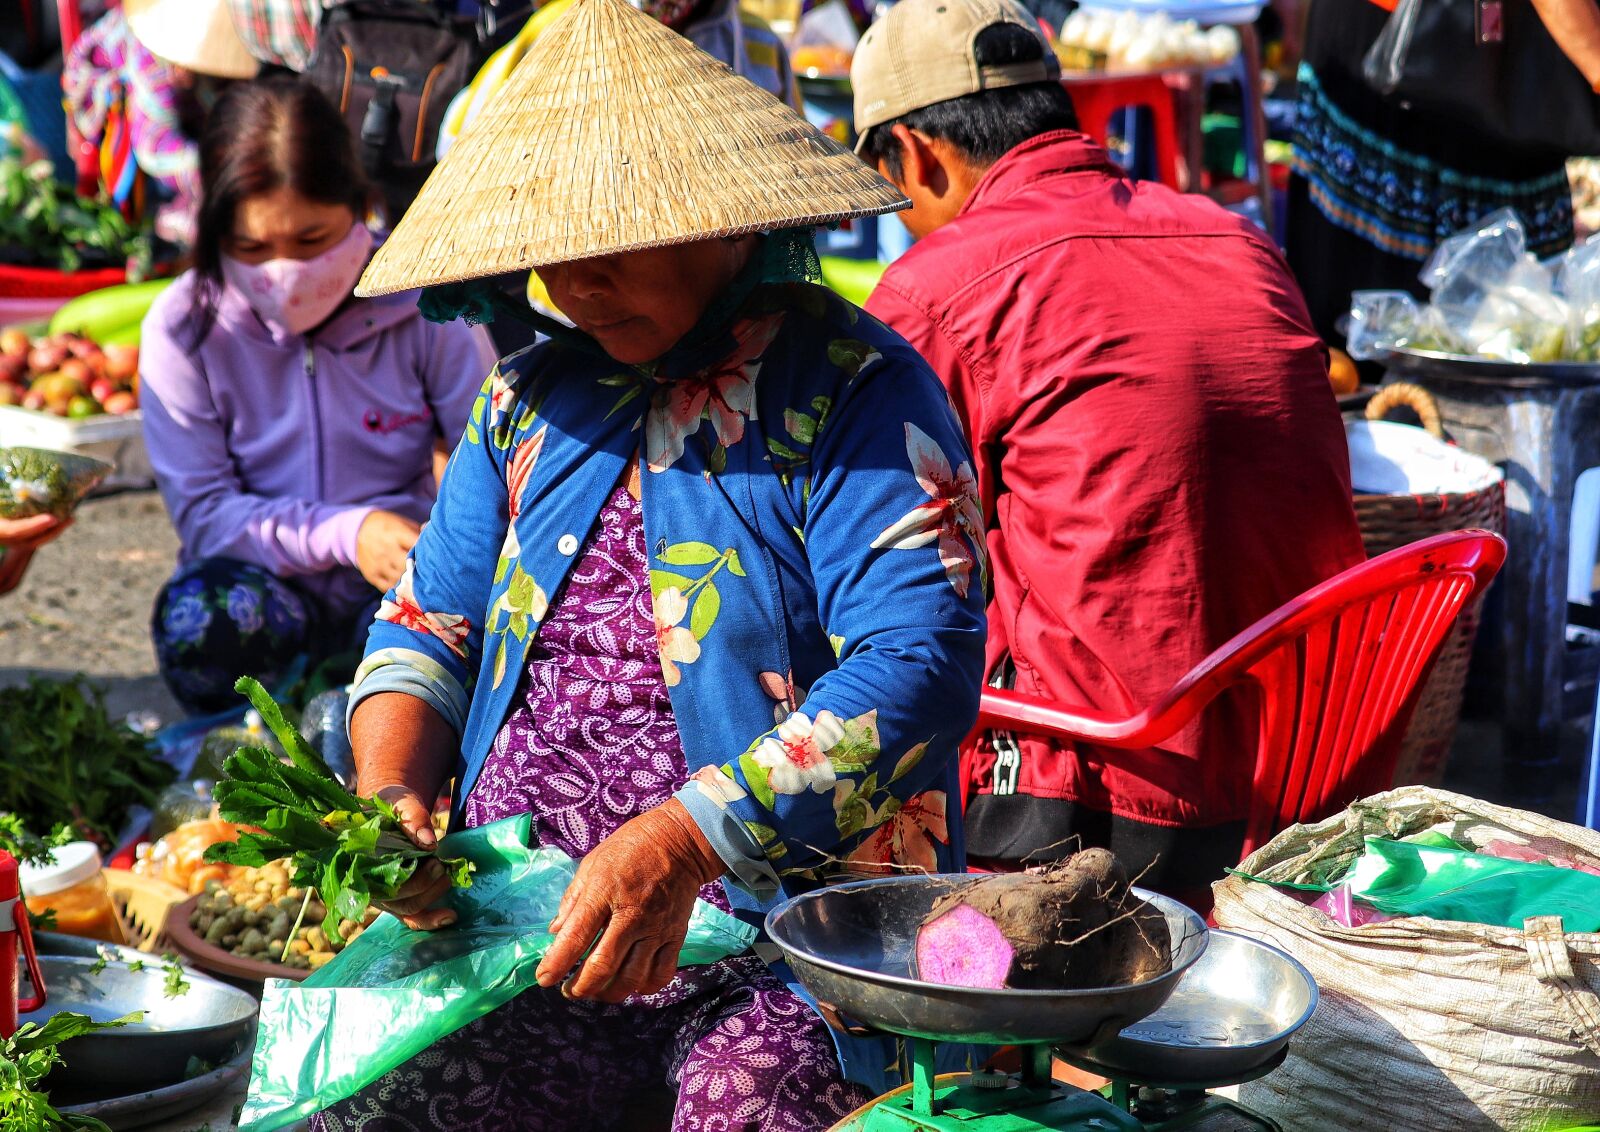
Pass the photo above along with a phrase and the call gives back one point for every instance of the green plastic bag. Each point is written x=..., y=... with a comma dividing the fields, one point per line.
x=394, y=992
x=1406, y=878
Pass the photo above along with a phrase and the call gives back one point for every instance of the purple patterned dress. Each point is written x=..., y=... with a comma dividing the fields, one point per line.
x=591, y=744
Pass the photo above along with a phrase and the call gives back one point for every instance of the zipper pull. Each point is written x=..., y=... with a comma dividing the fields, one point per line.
x=311, y=361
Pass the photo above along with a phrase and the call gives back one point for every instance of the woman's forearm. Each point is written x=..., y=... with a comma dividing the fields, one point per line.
x=398, y=740
x=1575, y=26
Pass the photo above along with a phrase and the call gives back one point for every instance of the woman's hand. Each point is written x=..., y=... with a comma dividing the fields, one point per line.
x=633, y=894
x=403, y=751
x=19, y=538
x=415, y=905
x=382, y=544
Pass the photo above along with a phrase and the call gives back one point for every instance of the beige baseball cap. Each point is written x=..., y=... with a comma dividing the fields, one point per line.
x=921, y=53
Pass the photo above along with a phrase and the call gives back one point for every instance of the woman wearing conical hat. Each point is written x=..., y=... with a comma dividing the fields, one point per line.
x=702, y=593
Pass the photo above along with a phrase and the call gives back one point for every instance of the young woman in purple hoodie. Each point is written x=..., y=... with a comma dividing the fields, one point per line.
x=292, y=426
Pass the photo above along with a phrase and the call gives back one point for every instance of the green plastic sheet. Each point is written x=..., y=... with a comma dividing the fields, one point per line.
x=394, y=991
x=1411, y=878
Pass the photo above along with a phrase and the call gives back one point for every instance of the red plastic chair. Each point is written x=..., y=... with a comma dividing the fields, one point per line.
x=1339, y=669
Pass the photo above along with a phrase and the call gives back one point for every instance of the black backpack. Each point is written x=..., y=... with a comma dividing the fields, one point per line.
x=392, y=67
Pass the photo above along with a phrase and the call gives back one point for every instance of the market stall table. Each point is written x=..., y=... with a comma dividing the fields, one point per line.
x=1542, y=424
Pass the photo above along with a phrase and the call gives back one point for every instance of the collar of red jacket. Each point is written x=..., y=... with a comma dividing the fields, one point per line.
x=1058, y=152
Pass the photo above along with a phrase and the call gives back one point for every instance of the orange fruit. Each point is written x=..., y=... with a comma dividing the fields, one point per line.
x=1342, y=372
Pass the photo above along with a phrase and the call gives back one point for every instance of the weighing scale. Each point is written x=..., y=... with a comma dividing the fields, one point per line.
x=1222, y=1015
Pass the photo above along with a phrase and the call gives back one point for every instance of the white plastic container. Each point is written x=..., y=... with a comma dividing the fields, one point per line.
x=118, y=440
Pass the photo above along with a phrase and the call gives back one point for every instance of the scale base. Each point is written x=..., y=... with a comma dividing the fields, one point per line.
x=963, y=1107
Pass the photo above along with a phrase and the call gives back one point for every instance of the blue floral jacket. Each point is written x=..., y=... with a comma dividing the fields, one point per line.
x=817, y=570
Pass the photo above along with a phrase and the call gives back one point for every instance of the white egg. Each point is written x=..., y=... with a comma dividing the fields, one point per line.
x=1074, y=27
x=1097, y=32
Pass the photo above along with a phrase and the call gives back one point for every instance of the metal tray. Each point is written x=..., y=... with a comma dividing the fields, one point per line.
x=209, y=1021
x=1459, y=367
x=141, y=1109
x=1232, y=1012
x=851, y=946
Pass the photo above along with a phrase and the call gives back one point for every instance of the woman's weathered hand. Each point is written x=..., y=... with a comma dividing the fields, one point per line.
x=633, y=895
x=382, y=544
x=417, y=904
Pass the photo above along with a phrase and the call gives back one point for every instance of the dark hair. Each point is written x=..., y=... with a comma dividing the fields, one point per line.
x=987, y=125
x=261, y=136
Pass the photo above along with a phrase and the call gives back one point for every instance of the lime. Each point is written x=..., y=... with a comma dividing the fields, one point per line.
x=80, y=407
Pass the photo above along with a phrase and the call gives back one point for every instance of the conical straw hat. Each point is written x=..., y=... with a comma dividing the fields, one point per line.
x=614, y=134
x=195, y=34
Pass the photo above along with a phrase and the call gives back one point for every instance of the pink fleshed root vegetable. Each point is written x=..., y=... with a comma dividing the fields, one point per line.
x=1068, y=926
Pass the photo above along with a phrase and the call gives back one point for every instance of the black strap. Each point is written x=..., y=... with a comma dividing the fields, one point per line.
x=375, y=126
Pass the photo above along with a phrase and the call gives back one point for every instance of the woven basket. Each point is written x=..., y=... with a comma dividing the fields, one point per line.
x=142, y=904
x=1390, y=521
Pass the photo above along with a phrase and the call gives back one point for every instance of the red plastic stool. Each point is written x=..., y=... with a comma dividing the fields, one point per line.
x=1097, y=98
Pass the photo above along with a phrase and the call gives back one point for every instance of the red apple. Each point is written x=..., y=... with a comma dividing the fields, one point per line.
x=78, y=370
x=121, y=402
x=46, y=357
x=33, y=399
x=14, y=342
x=122, y=362
x=101, y=388
x=10, y=394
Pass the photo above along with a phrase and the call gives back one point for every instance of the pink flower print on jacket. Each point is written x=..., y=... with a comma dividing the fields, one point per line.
x=723, y=393
x=402, y=609
x=952, y=515
x=676, y=643
x=521, y=467
x=908, y=836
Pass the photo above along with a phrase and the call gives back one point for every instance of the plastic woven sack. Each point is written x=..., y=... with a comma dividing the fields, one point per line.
x=38, y=481
x=394, y=991
x=1425, y=1023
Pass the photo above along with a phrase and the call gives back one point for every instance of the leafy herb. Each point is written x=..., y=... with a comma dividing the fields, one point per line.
x=68, y=764
x=26, y=1057
x=99, y=964
x=136, y=966
x=175, y=984
x=43, y=221
x=25, y=847
x=351, y=850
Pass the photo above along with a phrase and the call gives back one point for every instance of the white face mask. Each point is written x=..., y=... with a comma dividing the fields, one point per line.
x=293, y=295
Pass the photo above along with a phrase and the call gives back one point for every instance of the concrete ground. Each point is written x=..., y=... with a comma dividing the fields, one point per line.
x=84, y=605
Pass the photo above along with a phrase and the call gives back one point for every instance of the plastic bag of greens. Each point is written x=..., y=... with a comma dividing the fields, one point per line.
x=394, y=991
x=1379, y=321
x=1579, y=281
x=1407, y=878
x=1521, y=318
x=38, y=481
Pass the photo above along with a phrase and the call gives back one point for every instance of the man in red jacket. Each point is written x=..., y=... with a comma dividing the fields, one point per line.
x=1158, y=449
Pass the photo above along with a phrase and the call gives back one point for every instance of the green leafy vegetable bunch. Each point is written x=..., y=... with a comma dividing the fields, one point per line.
x=42, y=221
x=26, y=1057
x=67, y=763
x=351, y=850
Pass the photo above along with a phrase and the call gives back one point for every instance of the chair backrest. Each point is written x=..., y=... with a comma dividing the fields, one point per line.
x=1339, y=669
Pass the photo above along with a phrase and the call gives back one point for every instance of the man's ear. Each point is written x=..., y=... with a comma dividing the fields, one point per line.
x=921, y=162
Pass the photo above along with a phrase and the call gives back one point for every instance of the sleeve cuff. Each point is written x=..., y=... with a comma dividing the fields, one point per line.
x=412, y=674
x=343, y=531
x=748, y=866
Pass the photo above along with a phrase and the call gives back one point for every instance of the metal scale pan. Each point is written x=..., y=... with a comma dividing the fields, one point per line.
x=851, y=946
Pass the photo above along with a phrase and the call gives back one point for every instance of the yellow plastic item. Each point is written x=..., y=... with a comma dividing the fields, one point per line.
x=493, y=73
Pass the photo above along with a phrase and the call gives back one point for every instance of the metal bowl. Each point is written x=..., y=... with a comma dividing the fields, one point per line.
x=1459, y=367
x=1233, y=1011
x=851, y=946
x=208, y=1021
